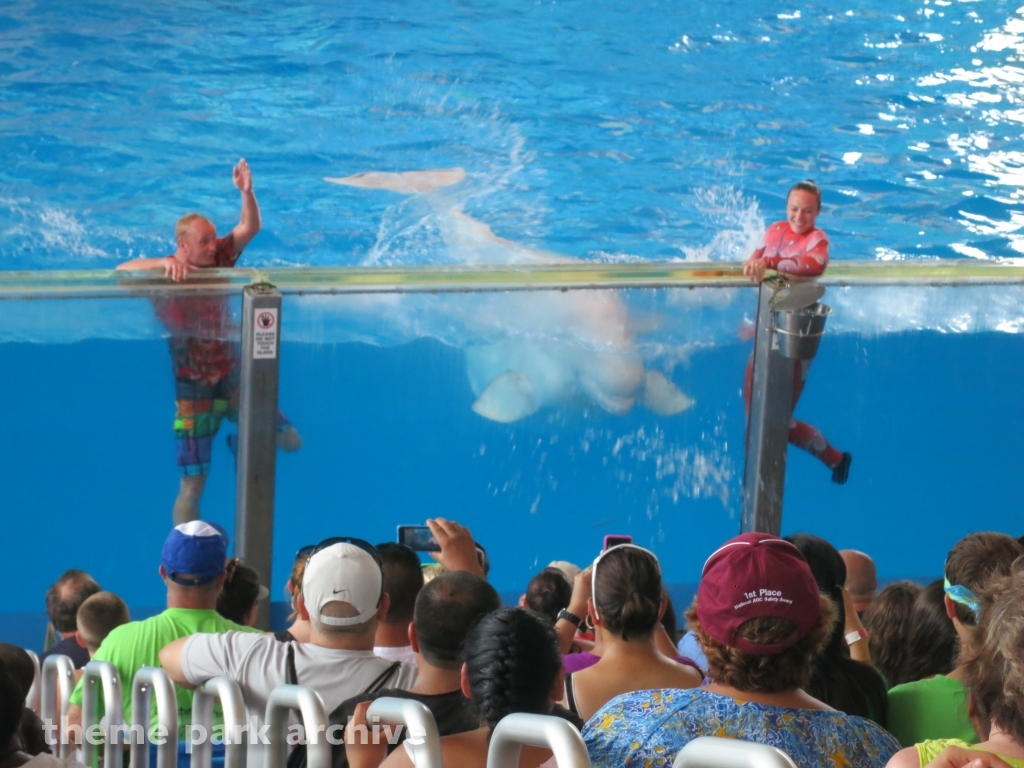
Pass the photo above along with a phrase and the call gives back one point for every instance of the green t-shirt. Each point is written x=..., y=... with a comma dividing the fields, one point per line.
x=929, y=750
x=934, y=708
x=137, y=644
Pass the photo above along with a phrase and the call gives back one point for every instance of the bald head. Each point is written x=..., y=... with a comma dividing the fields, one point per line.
x=861, y=580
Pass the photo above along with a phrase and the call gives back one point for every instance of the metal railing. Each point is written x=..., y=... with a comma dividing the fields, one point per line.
x=97, y=676
x=57, y=683
x=421, y=728
x=101, y=283
x=519, y=729
x=152, y=683
x=34, y=697
x=226, y=691
x=714, y=752
x=311, y=707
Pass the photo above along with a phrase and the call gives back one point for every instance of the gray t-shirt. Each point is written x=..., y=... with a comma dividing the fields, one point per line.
x=258, y=663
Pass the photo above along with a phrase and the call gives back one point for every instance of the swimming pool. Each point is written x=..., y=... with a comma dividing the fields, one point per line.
x=588, y=129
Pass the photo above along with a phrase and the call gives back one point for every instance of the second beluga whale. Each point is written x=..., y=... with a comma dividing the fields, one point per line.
x=555, y=347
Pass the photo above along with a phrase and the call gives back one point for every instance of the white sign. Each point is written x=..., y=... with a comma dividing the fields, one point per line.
x=264, y=337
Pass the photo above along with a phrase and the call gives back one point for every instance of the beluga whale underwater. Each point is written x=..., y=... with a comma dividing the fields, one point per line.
x=555, y=347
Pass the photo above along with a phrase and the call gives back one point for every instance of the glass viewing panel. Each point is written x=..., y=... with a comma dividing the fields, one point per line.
x=94, y=412
x=543, y=420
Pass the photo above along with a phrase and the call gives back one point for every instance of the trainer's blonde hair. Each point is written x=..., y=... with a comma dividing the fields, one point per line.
x=181, y=228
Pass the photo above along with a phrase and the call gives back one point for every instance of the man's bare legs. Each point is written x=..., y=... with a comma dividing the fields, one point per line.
x=186, y=506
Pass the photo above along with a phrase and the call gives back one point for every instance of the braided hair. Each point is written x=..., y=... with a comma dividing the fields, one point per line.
x=512, y=660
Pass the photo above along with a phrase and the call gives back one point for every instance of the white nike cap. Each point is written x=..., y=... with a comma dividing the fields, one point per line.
x=342, y=573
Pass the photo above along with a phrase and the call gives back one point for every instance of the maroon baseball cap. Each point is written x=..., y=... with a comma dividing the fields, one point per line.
x=755, y=575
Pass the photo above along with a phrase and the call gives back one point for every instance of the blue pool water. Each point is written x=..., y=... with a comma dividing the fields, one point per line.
x=596, y=130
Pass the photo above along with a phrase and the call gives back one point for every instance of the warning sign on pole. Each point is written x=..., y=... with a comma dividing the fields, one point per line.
x=264, y=336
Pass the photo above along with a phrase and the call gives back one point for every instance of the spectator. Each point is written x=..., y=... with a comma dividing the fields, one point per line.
x=431, y=571
x=62, y=602
x=571, y=570
x=403, y=580
x=12, y=705
x=299, y=630
x=446, y=611
x=512, y=665
x=992, y=663
x=192, y=567
x=548, y=593
x=689, y=647
x=851, y=686
x=626, y=608
x=936, y=707
x=239, y=600
x=933, y=644
x=19, y=666
x=861, y=579
x=760, y=619
x=343, y=598
x=98, y=617
x=889, y=621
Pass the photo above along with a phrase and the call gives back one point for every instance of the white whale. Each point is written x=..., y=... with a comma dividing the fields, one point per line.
x=559, y=347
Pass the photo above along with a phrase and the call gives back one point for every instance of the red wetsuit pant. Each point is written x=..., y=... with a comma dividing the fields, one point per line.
x=801, y=434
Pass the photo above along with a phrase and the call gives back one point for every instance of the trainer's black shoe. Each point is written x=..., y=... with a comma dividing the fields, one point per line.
x=841, y=471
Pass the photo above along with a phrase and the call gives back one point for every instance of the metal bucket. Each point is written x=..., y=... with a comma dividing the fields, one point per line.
x=799, y=331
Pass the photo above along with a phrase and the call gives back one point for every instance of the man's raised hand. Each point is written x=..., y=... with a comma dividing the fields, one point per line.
x=243, y=176
x=458, y=550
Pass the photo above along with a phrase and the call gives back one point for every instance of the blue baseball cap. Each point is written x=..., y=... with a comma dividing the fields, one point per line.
x=194, y=553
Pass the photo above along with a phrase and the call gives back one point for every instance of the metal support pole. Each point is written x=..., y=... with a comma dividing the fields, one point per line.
x=520, y=728
x=714, y=752
x=421, y=728
x=257, y=433
x=771, y=408
x=153, y=682
x=103, y=675
x=225, y=690
x=58, y=681
x=282, y=700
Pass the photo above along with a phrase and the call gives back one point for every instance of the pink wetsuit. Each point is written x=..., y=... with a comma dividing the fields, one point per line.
x=807, y=255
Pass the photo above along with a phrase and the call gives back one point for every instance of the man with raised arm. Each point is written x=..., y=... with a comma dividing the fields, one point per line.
x=203, y=343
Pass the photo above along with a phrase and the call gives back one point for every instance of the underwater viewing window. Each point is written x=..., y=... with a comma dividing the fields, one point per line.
x=544, y=407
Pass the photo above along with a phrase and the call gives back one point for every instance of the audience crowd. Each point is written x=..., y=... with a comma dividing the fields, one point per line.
x=788, y=642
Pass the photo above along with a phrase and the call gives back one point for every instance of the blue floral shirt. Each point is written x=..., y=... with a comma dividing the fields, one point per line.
x=646, y=729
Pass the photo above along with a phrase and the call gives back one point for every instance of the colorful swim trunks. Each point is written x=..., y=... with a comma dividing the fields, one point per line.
x=201, y=409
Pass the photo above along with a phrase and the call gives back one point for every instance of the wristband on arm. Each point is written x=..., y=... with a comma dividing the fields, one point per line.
x=856, y=636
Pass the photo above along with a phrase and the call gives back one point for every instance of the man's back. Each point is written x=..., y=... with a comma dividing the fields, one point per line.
x=453, y=713
x=259, y=665
x=137, y=644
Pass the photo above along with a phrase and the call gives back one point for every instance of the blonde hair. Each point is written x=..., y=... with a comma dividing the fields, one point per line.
x=432, y=571
x=181, y=228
